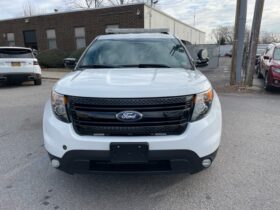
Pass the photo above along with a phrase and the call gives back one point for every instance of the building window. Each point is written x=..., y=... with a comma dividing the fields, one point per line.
x=30, y=39
x=11, y=39
x=51, y=36
x=80, y=37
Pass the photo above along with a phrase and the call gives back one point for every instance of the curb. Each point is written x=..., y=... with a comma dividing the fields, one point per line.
x=51, y=78
x=56, y=70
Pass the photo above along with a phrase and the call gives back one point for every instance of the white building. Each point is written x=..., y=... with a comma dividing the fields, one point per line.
x=154, y=18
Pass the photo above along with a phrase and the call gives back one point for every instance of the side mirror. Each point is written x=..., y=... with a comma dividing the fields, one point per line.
x=266, y=57
x=35, y=52
x=203, y=59
x=70, y=63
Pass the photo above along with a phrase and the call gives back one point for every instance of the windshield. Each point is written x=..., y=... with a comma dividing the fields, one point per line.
x=136, y=53
x=276, y=54
x=15, y=53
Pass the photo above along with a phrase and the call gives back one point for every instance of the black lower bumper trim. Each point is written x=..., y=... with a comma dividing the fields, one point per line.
x=159, y=161
x=19, y=77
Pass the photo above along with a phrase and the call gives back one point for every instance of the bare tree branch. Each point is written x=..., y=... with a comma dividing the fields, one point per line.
x=223, y=34
x=30, y=9
x=83, y=4
x=267, y=37
x=121, y=2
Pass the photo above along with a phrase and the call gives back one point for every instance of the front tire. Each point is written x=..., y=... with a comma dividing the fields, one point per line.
x=259, y=74
x=267, y=87
x=38, y=81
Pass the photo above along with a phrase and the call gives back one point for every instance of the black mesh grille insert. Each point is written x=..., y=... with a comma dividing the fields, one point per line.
x=161, y=116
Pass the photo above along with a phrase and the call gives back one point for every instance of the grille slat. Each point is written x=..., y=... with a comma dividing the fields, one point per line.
x=133, y=131
x=167, y=116
x=80, y=122
x=123, y=102
x=100, y=108
x=147, y=116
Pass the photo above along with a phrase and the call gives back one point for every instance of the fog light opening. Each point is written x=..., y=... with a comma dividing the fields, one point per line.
x=206, y=163
x=55, y=163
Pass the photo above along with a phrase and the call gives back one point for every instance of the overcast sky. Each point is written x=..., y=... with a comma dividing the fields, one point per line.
x=209, y=13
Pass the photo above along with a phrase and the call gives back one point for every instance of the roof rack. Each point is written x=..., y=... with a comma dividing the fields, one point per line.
x=135, y=30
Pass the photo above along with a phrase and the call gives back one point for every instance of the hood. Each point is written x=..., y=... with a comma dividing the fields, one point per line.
x=275, y=63
x=132, y=82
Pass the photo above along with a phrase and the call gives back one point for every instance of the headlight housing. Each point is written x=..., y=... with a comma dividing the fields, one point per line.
x=203, y=102
x=59, y=103
x=276, y=70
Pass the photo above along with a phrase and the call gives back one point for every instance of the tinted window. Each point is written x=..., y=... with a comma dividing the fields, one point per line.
x=130, y=52
x=276, y=54
x=30, y=39
x=15, y=53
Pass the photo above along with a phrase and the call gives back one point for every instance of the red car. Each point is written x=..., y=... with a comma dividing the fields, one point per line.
x=269, y=67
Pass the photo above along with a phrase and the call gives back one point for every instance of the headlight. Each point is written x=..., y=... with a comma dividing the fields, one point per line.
x=276, y=70
x=59, y=106
x=202, y=105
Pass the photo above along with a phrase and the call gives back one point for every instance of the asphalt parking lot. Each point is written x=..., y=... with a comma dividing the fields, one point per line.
x=245, y=174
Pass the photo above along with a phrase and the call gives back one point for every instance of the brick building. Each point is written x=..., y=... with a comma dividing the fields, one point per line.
x=76, y=29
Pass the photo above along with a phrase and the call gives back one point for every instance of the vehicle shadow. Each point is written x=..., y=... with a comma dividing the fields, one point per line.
x=274, y=91
x=150, y=190
x=122, y=191
x=14, y=85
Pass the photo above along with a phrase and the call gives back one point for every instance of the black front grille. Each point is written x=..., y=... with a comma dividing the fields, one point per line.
x=161, y=116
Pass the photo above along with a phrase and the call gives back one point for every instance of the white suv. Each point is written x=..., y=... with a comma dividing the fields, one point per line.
x=134, y=103
x=18, y=64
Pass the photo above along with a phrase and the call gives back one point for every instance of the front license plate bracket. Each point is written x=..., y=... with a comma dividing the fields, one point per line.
x=129, y=152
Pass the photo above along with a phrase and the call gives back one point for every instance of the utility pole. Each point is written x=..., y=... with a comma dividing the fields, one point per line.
x=254, y=39
x=238, y=42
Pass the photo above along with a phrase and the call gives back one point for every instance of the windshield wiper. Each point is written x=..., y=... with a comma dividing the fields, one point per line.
x=146, y=65
x=97, y=66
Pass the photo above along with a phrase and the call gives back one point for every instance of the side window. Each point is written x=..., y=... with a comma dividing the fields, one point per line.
x=51, y=37
x=276, y=55
x=11, y=39
x=80, y=37
x=270, y=51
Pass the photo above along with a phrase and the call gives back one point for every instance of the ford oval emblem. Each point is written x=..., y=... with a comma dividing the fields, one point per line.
x=129, y=116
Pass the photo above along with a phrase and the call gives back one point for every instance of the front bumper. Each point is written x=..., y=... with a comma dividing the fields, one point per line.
x=19, y=77
x=159, y=161
x=274, y=80
x=201, y=139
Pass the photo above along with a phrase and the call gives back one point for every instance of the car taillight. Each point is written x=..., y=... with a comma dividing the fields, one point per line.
x=35, y=63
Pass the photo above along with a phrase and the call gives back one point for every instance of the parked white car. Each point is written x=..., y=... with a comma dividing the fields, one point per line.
x=18, y=64
x=134, y=103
